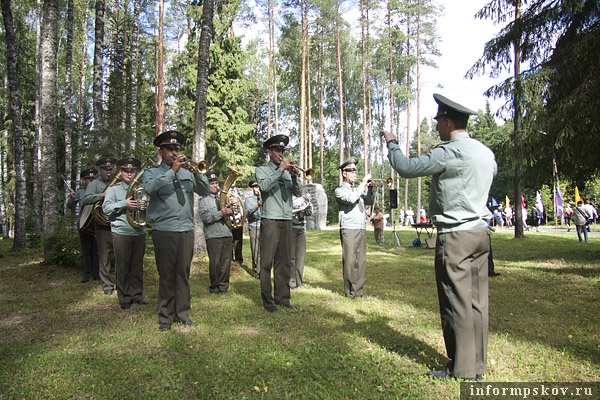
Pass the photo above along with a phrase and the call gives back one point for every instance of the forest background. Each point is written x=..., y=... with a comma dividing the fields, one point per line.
x=92, y=78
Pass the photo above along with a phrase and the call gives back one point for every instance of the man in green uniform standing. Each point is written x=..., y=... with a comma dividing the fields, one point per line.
x=95, y=192
x=353, y=227
x=87, y=238
x=129, y=242
x=277, y=186
x=218, y=236
x=462, y=171
x=171, y=213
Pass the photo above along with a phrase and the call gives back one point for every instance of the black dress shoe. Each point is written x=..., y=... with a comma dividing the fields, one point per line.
x=125, y=306
x=288, y=305
x=85, y=280
x=188, y=322
x=165, y=326
x=140, y=301
x=108, y=292
x=494, y=274
x=271, y=308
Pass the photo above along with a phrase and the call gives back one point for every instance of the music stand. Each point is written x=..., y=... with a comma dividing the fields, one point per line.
x=393, y=206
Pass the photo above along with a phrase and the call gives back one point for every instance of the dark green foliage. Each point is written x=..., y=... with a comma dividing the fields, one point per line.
x=64, y=249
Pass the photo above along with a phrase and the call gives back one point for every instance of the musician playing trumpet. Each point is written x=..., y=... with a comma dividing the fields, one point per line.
x=129, y=243
x=171, y=213
x=95, y=192
x=353, y=225
x=277, y=185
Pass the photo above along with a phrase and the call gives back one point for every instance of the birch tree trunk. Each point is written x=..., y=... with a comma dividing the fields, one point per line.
x=49, y=121
x=19, y=243
x=68, y=106
x=98, y=90
x=199, y=140
x=160, y=74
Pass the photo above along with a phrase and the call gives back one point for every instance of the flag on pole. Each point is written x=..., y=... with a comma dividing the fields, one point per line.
x=558, y=202
x=577, y=196
x=538, y=200
x=507, y=200
x=494, y=202
x=522, y=201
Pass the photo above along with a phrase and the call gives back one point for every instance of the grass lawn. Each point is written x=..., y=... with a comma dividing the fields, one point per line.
x=60, y=339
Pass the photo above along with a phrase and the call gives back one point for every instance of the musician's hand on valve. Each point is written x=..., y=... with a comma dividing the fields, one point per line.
x=286, y=164
x=178, y=162
x=132, y=204
x=226, y=210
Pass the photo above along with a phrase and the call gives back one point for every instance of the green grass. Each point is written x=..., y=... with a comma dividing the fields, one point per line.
x=60, y=339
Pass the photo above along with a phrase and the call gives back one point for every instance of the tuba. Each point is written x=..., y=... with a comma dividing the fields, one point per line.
x=99, y=217
x=230, y=197
x=137, y=217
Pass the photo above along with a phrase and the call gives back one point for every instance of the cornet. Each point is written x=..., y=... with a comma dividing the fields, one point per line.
x=308, y=172
x=195, y=167
x=380, y=182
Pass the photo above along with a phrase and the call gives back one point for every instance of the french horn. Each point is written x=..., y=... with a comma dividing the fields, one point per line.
x=137, y=217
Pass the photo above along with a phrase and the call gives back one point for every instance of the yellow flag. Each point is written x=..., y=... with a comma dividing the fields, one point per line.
x=507, y=201
x=577, y=196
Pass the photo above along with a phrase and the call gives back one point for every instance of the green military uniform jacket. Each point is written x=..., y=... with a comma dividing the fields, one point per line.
x=351, y=202
x=115, y=207
x=164, y=211
x=93, y=192
x=214, y=225
x=277, y=188
x=458, y=197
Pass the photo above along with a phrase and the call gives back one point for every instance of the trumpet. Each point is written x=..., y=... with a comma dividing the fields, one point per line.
x=199, y=167
x=308, y=172
x=380, y=182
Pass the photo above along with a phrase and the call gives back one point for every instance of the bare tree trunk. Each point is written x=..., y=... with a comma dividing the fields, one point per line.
x=304, y=55
x=363, y=59
x=68, y=106
x=19, y=243
x=271, y=80
x=49, y=120
x=321, y=116
x=135, y=43
x=4, y=197
x=338, y=59
x=199, y=142
x=37, y=196
x=308, y=111
x=80, y=101
x=519, y=231
x=98, y=107
x=418, y=49
x=160, y=74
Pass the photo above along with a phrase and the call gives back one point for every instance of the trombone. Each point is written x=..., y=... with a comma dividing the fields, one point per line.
x=380, y=182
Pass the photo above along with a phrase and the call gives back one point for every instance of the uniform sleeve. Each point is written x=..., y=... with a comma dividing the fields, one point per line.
x=209, y=213
x=267, y=178
x=344, y=195
x=92, y=194
x=431, y=163
x=202, y=187
x=154, y=179
x=112, y=206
